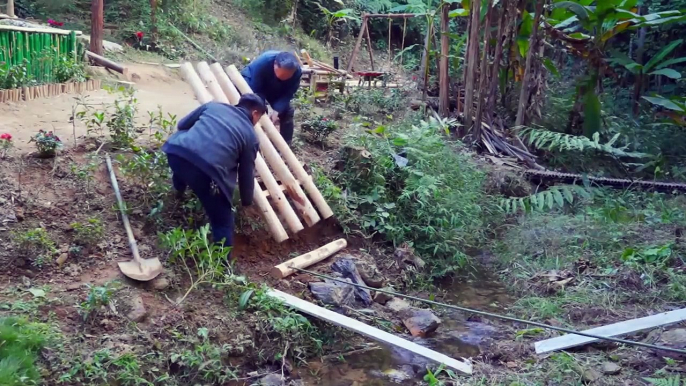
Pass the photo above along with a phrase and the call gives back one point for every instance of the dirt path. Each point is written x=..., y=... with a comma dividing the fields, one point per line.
x=156, y=86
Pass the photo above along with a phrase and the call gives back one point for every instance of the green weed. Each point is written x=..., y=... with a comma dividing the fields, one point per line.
x=35, y=244
x=98, y=296
x=20, y=343
x=88, y=234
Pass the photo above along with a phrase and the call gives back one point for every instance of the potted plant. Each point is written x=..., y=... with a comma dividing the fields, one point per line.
x=47, y=143
x=5, y=144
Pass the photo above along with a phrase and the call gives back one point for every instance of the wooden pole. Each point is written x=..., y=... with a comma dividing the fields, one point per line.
x=10, y=8
x=472, y=60
x=102, y=61
x=508, y=9
x=353, y=56
x=97, y=14
x=286, y=152
x=524, y=92
x=425, y=58
x=369, y=44
x=303, y=261
x=282, y=205
x=273, y=224
x=293, y=188
x=483, y=75
x=443, y=75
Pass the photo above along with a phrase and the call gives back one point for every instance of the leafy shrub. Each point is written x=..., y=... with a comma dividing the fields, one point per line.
x=36, y=244
x=415, y=187
x=16, y=76
x=375, y=101
x=20, y=343
x=69, y=70
x=46, y=142
x=5, y=144
x=319, y=128
x=88, y=234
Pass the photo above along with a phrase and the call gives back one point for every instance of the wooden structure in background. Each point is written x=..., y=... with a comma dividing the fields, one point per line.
x=274, y=163
x=364, y=32
x=10, y=9
x=97, y=25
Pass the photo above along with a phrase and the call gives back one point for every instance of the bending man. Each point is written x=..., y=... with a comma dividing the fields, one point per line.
x=214, y=146
x=276, y=76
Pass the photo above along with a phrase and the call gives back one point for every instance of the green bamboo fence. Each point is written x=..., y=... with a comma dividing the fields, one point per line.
x=39, y=51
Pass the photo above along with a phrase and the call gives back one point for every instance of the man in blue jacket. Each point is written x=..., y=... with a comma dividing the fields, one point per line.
x=275, y=76
x=214, y=145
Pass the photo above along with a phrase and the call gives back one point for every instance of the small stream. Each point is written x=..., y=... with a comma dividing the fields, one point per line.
x=456, y=337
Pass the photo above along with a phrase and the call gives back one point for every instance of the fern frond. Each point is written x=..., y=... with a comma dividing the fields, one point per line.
x=551, y=140
x=671, y=381
x=555, y=197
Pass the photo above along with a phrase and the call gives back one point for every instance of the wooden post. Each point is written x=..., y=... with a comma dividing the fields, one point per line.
x=444, y=80
x=353, y=56
x=286, y=152
x=295, y=192
x=97, y=14
x=369, y=43
x=102, y=61
x=483, y=75
x=303, y=261
x=273, y=224
x=472, y=60
x=282, y=205
x=524, y=92
x=10, y=8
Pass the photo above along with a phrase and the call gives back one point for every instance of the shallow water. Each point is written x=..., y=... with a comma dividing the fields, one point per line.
x=456, y=337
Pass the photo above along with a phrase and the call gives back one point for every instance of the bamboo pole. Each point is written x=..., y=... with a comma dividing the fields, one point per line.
x=286, y=152
x=279, y=199
x=303, y=261
x=273, y=224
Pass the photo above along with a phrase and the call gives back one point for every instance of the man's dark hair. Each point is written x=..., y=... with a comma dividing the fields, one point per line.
x=287, y=61
x=252, y=102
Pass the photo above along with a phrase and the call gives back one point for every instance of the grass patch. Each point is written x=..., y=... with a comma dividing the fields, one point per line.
x=20, y=343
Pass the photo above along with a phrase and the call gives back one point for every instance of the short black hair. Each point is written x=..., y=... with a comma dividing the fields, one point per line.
x=252, y=102
x=287, y=61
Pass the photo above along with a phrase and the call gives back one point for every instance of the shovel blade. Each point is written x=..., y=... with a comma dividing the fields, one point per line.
x=151, y=268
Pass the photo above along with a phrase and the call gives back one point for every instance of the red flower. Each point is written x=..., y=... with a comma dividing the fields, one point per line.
x=139, y=35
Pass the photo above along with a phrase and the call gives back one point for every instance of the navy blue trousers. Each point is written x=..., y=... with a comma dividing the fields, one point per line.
x=216, y=205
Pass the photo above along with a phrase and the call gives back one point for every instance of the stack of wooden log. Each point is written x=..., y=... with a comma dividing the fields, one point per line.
x=214, y=83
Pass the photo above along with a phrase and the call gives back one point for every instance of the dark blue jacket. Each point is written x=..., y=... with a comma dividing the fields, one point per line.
x=263, y=81
x=220, y=140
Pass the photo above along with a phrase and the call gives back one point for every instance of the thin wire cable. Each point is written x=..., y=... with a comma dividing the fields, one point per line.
x=497, y=316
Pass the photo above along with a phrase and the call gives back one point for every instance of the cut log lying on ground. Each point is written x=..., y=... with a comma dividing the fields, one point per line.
x=612, y=330
x=101, y=61
x=279, y=199
x=285, y=269
x=295, y=192
x=273, y=224
x=369, y=331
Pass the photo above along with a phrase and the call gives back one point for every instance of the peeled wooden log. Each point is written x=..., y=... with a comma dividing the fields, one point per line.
x=279, y=199
x=99, y=60
x=303, y=261
x=273, y=224
x=285, y=150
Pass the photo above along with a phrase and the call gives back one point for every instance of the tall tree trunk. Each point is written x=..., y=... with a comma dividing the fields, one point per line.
x=483, y=74
x=472, y=59
x=524, y=92
x=153, y=19
x=508, y=14
x=444, y=80
x=424, y=68
x=97, y=14
x=10, y=8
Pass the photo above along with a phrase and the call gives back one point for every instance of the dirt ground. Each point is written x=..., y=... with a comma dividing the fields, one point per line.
x=157, y=86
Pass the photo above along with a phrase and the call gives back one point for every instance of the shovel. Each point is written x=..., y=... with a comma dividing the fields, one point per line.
x=137, y=269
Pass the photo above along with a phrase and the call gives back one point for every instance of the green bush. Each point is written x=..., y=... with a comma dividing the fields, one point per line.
x=20, y=343
x=416, y=187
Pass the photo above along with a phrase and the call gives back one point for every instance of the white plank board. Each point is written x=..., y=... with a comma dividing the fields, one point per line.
x=369, y=331
x=611, y=330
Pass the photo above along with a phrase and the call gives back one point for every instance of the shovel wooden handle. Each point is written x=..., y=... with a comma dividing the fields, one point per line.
x=124, y=217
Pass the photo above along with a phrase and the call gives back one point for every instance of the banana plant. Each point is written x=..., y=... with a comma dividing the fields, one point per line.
x=335, y=17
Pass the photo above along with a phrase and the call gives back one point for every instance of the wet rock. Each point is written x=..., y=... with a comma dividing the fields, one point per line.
x=398, y=305
x=333, y=293
x=271, y=380
x=346, y=267
x=138, y=312
x=62, y=258
x=591, y=376
x=420, y=322
x=160, y=283
x=370, y=274
x=382, y=297
x=611, y=368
